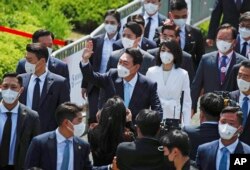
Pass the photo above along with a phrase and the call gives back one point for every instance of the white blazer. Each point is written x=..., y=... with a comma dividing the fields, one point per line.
x=170, y=93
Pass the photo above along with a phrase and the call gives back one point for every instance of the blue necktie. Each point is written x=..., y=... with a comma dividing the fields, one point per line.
x=126, y=94
x=224, y=158
x=244, y=109
x=65, y=162
x=36, y=95
x=147, y=28
x=223, y=66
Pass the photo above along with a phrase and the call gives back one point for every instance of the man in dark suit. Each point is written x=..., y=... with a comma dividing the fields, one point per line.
x=215, y=154
x=143, y=153
x=216, y=67
x=44, y=91
x=241, y=96
x=60, y=149
x=53, y=64
x=102, y=48
x=131, y=36
x=23, y=124
x=171, y=31
x=144, y=43
x=211, y=106
x=191, y=39
x=153, y=19
x=243, y=40
x=230, y=10
x=137, y=91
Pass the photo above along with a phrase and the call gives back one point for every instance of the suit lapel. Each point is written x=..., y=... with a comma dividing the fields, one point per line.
x=237, y=48
x=188, y=38
x=137, y=92
x=214, y=64
x=52, y=148
x=212, y=155
x=99, y=47
x=119, y=87
x=26, y=80
x=77, y=153
x=239, y=149
x=47, y=84
x=232, y=63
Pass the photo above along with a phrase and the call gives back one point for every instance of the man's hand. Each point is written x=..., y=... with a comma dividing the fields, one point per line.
x=210, y=42
x=84, y=93
x=87, y=51
x=128, y=115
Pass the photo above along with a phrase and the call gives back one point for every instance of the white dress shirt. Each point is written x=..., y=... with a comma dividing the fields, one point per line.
x=3, y=118
x=60, y=140
x=154, y=24
x=231, y=148
x=31, y=87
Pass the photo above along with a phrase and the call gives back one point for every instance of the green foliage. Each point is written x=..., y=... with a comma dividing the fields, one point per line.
x=204, y=27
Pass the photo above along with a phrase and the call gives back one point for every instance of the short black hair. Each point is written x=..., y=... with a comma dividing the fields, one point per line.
x=14, y=75
x=174, y=48
x=67, y=110
x=178, y=5
x=245, y=63
x=134, y=27
x=212, y=105
x=39, y=50
x=149, y=122
x=114, y=13
x=245, y=17
x=40, y=33
x=135, y=54
x=136, y=18
x=177, y=139
x=172, y=27
x=234, y=110
x=228, y=26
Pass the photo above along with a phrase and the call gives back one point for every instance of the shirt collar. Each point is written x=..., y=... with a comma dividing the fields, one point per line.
x=41, y=77
x=133, y=81
x=231, y=147
x=112, y=39
x=154, y=17
x=210, y=122
x=242, y=41
x=242, y=96
x=60, y=138
x=228, y=55
x=3, y=109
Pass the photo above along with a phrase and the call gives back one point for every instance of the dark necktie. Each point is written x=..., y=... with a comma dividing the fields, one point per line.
x=223, y=161
x=244, y=109
x=66, y=154
x=223, y=66
x=244, y=49
x=147, y=28
x=6, y=139
x=36, y=95
x=238, y=4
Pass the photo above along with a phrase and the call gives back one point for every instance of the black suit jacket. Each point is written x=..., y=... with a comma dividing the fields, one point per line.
x=42, y=153
x=206, y=154
x=144, y=94
x=198, y=135
x=55, y=92
x=54, y=65
x=208, y=76
x=28, y=126
x=230, y=13
x=142, y=154
x=186, y=64
x=146, y=44
x=244, y=137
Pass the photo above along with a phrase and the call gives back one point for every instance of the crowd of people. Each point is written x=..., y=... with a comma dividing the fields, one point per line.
x=143, y=87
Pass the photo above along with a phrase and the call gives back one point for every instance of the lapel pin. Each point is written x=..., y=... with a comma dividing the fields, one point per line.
x=79, y=147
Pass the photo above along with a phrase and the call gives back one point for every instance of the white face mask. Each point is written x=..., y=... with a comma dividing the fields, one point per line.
x=226, y=131
x=166, y=57
x=123, y=71
x=110, y=29
x=79, y=129
x=151, y=8
x=30, y=68
x=223, y=46
x=127, y=43
x=9, y=96
x=244, y=32
x=180, y=22
x=243, y=85
x=50, y=51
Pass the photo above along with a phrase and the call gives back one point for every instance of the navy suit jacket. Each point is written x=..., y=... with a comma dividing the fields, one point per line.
x=42, y=153
x=244, y=137
x=208, y=75
x=238, y=45
x=28, y=126
x=230, y=13
x=146, y=44
x=55, y=92
x=144, y=95
x=206, y=154
x=198, y=135
x=186, y=64
x=54, y=65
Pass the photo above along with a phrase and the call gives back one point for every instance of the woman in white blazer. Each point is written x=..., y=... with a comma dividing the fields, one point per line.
x=171, y=81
